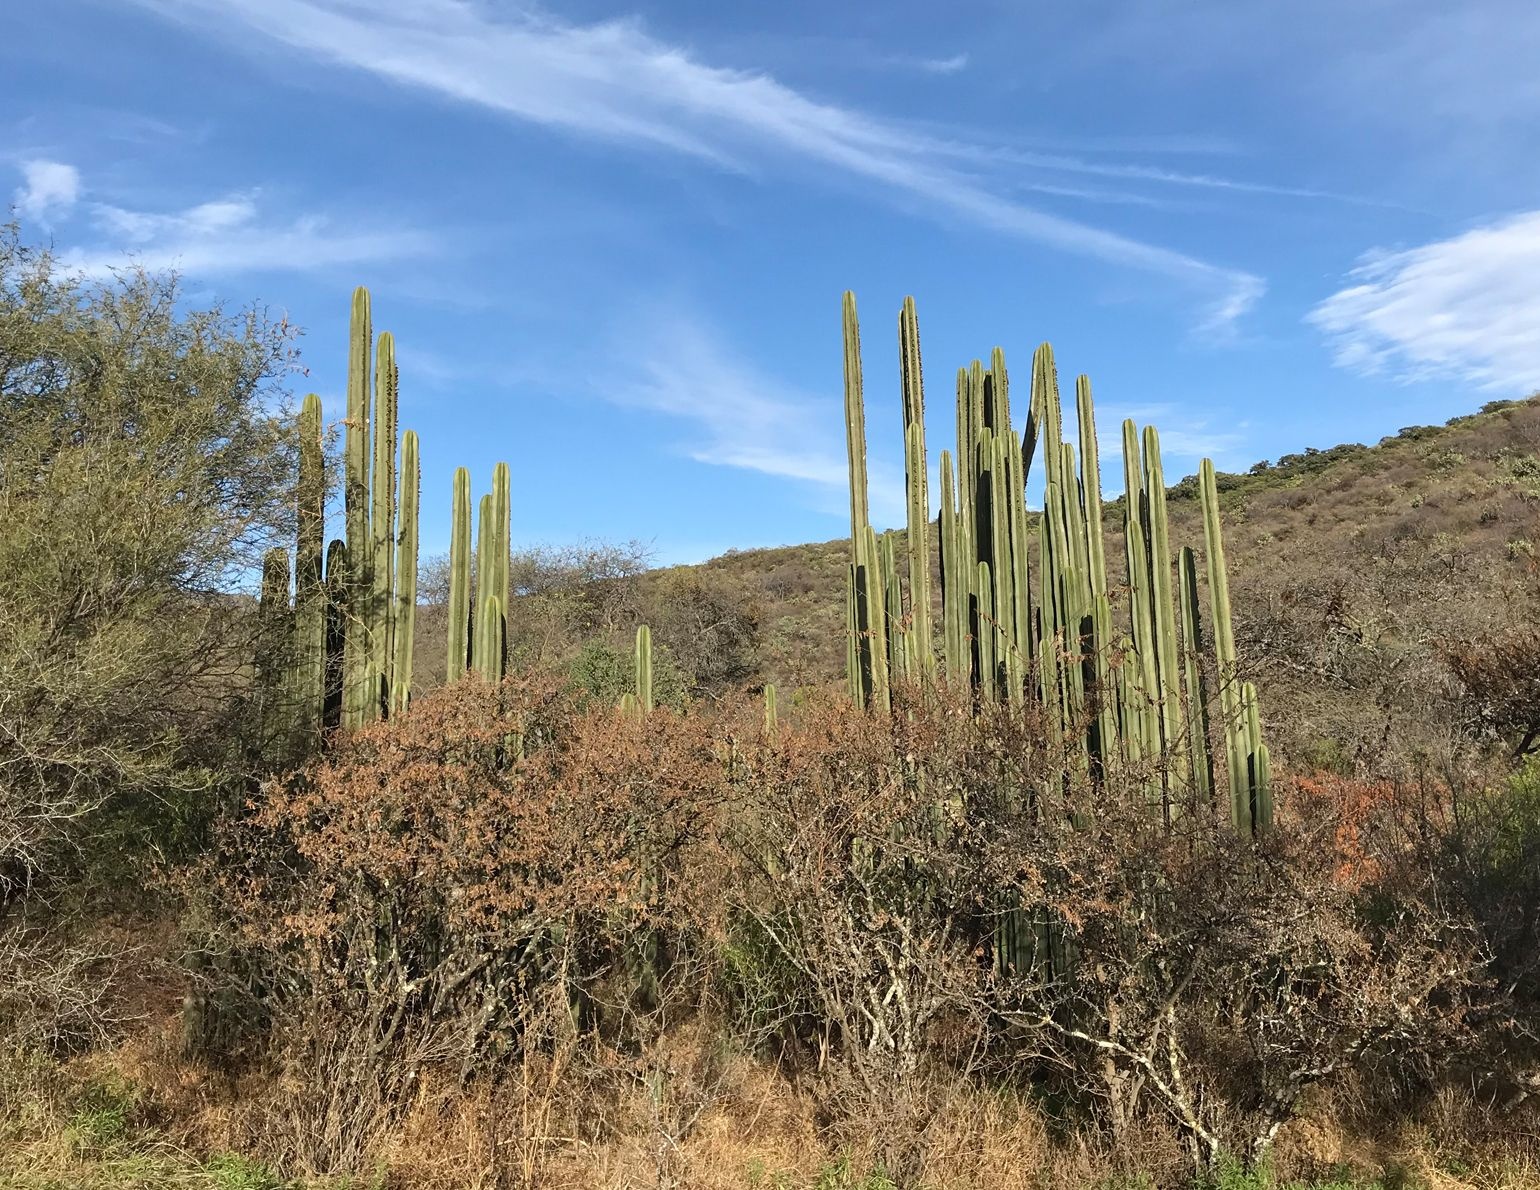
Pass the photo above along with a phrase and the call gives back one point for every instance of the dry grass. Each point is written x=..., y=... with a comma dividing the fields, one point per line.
x=139, y=1116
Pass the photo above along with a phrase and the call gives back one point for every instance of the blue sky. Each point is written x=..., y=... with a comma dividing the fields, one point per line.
x=611, y=238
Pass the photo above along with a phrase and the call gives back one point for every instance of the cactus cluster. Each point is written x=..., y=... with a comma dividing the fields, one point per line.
x=341, y=654
x=1027, y=611
x=478, y=642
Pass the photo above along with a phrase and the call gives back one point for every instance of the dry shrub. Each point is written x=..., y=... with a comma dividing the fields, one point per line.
x=413, y=898
x=1215, y=981
x=507, y=941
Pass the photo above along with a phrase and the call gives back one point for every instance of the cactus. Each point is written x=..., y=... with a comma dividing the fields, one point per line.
x=866, y=604
x=489, y=636
x=274, y=641
x=459, y=650
x=772, y=717
x=404, y=625
x=1231, y=707
x=1192, y=668
x=353, y=625
x=382, y=519
x=357, y=583
x=309, y=593
x=336, y=587
x=919, y=648
x=644, y=668
x=1135, y=701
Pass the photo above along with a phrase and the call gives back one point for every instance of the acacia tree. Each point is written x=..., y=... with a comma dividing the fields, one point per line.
x=146, y=459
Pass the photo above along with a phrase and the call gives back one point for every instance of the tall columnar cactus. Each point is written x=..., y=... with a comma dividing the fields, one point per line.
x=404, y=625
x=382, y=520
x=867, y=597
x=370, y=501
x=1028, y=612
x=352, y=632
x=309, y=591
x=644, y=668
x=357, y=584
x=492, y=559
x=459, y=651
x=919, y=650
x=337, y=578
x=1192, y=669
x=1247, y=761
x=274, y=660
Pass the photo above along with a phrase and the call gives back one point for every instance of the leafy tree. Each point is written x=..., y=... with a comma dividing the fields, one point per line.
x=146, y=459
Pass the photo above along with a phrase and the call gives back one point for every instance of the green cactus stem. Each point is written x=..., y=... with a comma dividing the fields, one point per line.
x=919, y=648
x=404, y=628
x=309, y=591
x=460, y=577
x=644, y=668
x=356, y=497
x=382, y=519
x=1231, y=708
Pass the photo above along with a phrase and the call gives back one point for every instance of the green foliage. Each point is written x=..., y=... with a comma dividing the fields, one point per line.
x=230, y=1171
x=146, y=463
x=605, y=673
x=102, y=1116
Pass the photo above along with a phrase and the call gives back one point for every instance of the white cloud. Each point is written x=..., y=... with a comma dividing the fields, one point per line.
x=231, y=235
x=1465, y=308
x=614, y=81
x=952, y=65
x=49, y=189
x=744, y=418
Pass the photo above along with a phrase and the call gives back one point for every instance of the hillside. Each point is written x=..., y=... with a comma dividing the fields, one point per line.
x=1348, y=566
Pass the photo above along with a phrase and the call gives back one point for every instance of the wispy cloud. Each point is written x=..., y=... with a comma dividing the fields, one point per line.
x=951, y=65
x=49, y=189
x=1184, y=439
x=230, y=235
x=1161, y=175
x=741, y=417
x=1465, y=307
x=615, y=81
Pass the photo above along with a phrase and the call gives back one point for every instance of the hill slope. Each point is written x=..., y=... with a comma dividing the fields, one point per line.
x=1348, y=567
